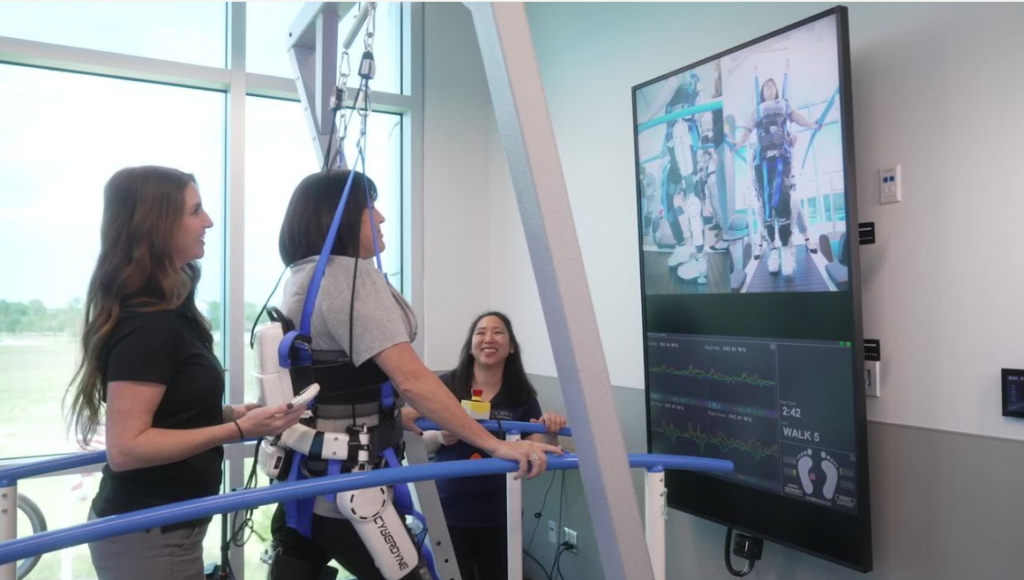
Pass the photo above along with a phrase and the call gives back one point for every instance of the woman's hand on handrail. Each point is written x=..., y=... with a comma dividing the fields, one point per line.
x=554, y=423
x=529, y=454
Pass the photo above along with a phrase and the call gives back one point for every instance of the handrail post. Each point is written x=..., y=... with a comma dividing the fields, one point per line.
x=654, y=500
x=514, y=519
x=9, y=526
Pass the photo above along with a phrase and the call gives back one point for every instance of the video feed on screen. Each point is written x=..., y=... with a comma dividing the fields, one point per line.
x=740, y=169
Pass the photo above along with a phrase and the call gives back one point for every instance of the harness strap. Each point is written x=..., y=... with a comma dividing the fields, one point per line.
x=298, y=514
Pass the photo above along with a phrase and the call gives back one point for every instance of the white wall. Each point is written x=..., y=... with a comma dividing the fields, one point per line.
x=475, y=255
x=930, y=90
x=935, y=89
x=456, y=161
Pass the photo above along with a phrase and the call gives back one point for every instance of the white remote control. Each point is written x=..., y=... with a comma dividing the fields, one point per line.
x=307, y=395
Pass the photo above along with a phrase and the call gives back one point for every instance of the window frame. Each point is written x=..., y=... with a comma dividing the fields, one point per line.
x=236, y=83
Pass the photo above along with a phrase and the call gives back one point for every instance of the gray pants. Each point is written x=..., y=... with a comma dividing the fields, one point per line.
x=151, y=554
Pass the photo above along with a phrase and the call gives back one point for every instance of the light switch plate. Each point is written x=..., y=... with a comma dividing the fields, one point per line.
x=872, y=378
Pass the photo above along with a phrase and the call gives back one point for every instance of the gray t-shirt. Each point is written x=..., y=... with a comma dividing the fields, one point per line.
x=382, y=316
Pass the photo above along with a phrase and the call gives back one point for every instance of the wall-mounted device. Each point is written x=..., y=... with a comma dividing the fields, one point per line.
x=1013, y=393
x=890, y=186
x=873, y=367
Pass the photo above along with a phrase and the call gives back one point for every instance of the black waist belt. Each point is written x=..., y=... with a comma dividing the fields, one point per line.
x=351, y=411
x=386, y=434
x=341, y=383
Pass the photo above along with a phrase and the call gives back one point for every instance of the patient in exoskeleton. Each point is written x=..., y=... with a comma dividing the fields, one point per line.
x=358, y=346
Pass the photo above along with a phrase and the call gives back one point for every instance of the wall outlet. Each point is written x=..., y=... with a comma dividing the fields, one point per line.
x=570, y=537
x=890, y=186
x=552, y=532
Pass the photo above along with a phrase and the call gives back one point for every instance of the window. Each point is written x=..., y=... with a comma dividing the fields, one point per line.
x=64, y=131
x=266, y=36
x=55, y=161
x=191, y=32
x=266, y=41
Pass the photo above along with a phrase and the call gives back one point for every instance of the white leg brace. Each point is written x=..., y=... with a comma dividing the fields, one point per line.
x=371, y=511
x=373, y=514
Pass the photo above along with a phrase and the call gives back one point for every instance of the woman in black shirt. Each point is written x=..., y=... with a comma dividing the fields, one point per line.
x=148, y=357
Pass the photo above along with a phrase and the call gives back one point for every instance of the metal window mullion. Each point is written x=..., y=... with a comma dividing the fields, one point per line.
x=412, y=169
x=98, y=62
x=258, y=85
x=234, y=228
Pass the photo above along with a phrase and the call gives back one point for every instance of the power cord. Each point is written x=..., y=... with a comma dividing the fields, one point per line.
x=562, y=549
x=558, y=564
x=537, y=516
x=540, y=513
x=747, y=547
x=238, y=536
x=539, y=565
x=561, y=504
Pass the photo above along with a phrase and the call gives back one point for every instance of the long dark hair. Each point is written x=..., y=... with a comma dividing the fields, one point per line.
x=513, y=380
x=136, y=270
x=311, y=210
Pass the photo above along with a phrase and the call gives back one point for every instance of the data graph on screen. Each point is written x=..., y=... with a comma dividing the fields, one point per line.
x=769, y=406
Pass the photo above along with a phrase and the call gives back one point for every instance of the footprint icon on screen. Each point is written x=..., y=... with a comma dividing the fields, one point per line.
x=803, y=468
x=831, y=469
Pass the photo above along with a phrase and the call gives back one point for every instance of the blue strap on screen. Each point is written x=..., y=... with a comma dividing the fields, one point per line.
x=777, y=184
x=821, y=121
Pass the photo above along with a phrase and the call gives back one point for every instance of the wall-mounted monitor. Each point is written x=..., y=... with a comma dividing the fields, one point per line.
x=751, y=297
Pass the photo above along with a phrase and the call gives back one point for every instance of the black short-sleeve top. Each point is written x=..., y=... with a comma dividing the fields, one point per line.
x=167, y=348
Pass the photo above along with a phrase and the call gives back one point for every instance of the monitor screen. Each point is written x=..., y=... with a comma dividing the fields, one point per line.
x=751, y=300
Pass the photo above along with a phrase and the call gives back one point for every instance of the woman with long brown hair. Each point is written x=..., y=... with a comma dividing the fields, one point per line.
x=148, y=359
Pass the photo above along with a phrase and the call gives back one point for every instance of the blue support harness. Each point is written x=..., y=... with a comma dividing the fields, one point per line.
x=772, y=191
x=295, y=351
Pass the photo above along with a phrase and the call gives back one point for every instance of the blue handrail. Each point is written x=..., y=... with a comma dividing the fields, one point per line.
x=499, y=426
x=9, y=476
x=231, y=502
